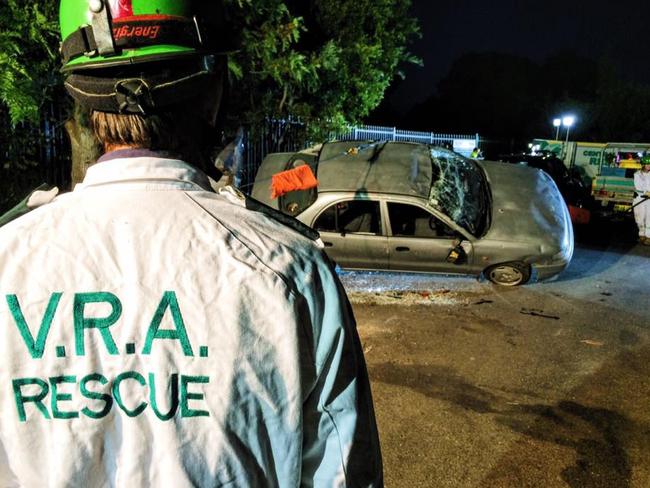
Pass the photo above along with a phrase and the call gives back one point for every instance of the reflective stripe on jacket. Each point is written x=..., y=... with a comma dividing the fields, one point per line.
x=154, y=333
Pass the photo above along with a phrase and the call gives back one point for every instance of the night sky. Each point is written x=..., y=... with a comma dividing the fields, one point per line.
x=615, y=31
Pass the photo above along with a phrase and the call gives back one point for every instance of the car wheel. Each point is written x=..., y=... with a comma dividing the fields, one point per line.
x=508, y=274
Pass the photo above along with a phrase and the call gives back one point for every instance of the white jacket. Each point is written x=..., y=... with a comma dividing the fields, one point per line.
x=154, y=333
x=642, y=181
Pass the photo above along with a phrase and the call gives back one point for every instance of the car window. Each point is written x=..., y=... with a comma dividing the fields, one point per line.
x=459, y=190
x=411, y=221
x=351, y=217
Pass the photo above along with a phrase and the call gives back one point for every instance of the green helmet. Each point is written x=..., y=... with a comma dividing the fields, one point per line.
x=134, y=56
x=645, y=160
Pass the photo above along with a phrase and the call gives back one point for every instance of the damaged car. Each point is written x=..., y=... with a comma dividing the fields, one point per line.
x=412, y=207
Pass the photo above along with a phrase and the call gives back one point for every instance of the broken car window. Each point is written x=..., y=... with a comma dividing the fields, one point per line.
x=459, y=190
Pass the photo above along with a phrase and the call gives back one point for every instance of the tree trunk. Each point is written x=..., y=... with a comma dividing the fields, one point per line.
x=84, y=146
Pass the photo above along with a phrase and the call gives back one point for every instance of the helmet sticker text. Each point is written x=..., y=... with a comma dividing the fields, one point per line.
x=129, y=31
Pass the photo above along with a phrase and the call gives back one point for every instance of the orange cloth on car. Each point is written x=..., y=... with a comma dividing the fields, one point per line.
x=300, y=178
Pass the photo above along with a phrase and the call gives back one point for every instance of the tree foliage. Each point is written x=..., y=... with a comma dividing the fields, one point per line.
x=28, y=40
x=28, y=75
x=508, y=97
x=318, y=59
x=327, y=61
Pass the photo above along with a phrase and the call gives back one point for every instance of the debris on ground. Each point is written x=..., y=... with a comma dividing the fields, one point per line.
x=422, y=297
x=589, y=342
x=538, y=313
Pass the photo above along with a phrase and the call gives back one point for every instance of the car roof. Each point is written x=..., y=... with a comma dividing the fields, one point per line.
x=375, y=167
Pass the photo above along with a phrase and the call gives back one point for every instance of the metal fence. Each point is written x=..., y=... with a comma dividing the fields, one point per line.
x=291, y=135
x=55, y=146
x=373, y=132
x=32, y=154
x=49, y=146
x=288, y=135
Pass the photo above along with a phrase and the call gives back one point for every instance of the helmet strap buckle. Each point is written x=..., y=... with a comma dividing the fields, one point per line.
x=133, y=95
x=102, y=33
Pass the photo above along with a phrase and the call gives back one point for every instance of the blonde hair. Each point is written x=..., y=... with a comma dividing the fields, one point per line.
x=139, y=131
x=178, y=130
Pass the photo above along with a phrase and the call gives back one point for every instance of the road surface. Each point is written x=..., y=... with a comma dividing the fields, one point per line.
x=543, y=385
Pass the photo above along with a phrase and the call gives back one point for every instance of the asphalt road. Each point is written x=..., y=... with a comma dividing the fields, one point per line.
x=542, y=385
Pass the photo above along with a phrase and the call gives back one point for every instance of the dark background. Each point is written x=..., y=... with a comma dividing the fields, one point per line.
x=505, y=69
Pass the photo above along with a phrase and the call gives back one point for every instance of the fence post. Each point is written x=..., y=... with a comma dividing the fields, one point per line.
x=394, y=133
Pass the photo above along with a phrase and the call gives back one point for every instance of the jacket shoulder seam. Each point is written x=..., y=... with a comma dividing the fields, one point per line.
x=258, y=259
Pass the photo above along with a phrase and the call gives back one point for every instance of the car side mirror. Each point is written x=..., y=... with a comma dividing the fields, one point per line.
x=457, y=255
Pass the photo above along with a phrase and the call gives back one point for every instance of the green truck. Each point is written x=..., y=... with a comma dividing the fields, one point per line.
x=613, y=186
x=608, y=168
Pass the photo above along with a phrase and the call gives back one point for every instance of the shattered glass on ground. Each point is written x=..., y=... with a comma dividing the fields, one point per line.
x=386, y=288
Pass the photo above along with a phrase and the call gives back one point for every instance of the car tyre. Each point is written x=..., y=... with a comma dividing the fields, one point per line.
x=508, y=274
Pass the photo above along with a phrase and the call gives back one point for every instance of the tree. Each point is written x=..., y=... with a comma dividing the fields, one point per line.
x=326, y=61
x=28, y=40
x=28, y=76
x=491, y=93
x=509, y=98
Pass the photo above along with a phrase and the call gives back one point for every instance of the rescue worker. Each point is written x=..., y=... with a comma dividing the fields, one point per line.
x=154, y=332
x=476, y=154
x=641, y=201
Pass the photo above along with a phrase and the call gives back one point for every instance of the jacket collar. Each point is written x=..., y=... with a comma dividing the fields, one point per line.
x=144, y=169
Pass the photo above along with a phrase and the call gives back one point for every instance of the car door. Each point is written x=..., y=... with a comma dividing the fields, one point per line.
x=419, y=241
x=353, y=234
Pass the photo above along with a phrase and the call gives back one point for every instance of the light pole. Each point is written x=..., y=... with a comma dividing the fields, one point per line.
x=567, y=121
x=557, y=123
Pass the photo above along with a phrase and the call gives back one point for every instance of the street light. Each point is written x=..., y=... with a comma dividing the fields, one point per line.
x=557, y=123
x=567, y=121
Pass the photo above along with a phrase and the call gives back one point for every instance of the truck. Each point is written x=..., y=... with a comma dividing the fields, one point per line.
x=613, y=186
x=608, y=168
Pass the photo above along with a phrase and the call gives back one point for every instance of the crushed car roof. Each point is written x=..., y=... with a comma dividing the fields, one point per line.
x=377, y=167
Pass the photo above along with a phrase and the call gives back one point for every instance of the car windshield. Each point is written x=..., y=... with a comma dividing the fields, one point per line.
x=459, y=190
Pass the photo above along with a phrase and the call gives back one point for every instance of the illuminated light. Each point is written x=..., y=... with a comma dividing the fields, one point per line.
x=568, y=121
x=557, y=123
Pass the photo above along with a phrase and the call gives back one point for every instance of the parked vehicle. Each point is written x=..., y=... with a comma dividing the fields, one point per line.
x=576, y=194
x=613, y=186
x=607, y=168
x=414, y=207
x=581, y=158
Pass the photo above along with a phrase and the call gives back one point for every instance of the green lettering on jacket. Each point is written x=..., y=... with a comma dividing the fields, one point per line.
x=81, y=322
x=93, y=395
x=36, y=399
x=169, y=301
x=35, y=347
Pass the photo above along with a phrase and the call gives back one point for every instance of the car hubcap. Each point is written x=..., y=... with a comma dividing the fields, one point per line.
x=506, y=275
